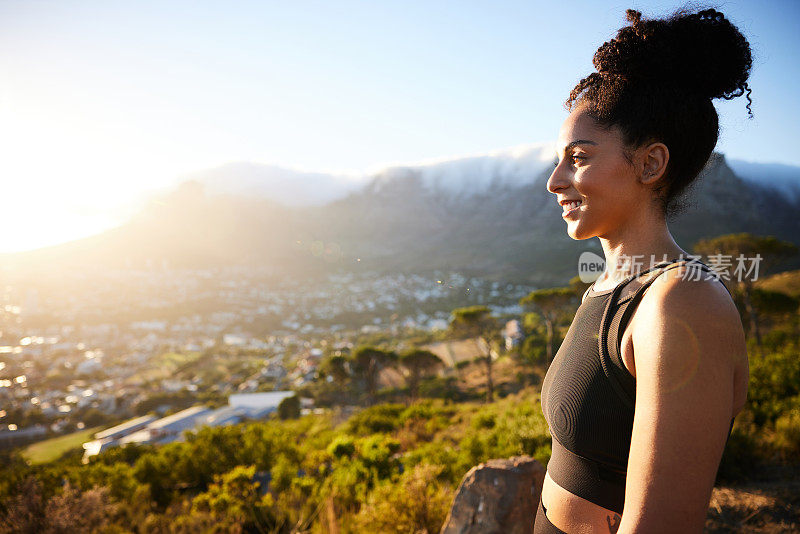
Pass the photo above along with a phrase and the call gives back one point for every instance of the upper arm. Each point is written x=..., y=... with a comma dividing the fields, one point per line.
x=685, y=349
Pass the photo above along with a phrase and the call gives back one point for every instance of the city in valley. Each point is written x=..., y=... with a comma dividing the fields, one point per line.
x=96, y=349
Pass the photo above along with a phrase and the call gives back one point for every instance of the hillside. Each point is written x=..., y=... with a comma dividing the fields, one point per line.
x=338, y=471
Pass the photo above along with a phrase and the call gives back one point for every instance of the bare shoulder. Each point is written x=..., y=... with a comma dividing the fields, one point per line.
x=680, y=292
x=693, y=322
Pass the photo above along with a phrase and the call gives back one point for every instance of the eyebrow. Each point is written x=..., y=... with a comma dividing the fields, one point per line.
x=575, y=143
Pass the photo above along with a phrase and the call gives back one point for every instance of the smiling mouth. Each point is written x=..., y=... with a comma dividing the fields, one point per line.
x=571, y=207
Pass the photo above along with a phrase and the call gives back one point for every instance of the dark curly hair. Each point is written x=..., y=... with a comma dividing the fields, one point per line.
x=655, y=82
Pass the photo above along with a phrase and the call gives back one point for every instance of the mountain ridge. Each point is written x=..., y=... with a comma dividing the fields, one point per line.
x=406, y=218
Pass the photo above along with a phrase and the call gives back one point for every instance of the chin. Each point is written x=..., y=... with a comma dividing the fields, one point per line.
x=579, y=235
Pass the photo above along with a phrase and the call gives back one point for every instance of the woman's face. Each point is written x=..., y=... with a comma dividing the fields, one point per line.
x=593, y=170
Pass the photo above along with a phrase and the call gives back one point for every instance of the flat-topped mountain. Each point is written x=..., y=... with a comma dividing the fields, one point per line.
x=488, y=215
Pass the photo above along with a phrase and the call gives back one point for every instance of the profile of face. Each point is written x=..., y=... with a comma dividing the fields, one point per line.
x=597, y=186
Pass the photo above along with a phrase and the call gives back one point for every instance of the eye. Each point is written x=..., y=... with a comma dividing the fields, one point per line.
x=577, y=158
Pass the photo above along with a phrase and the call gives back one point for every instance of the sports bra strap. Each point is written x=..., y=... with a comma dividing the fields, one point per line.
x=616, y=316
x=585, y=293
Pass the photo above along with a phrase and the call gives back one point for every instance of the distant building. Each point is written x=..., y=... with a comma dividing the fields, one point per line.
x=149, y=429
x=258, y=405
x=171, y=427
x=228, y=415
x=108, y=438
x=145, y=429
x=513, y=334
x=462, y=350
x=234, y=340
x=123, y=429
x=95, y=447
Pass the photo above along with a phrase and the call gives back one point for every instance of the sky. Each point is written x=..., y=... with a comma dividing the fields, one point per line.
x=103, y=102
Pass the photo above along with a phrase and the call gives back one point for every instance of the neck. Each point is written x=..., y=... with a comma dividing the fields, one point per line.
x=640, y=243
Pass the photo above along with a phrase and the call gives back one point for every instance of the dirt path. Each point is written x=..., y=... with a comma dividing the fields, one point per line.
x=765, y=507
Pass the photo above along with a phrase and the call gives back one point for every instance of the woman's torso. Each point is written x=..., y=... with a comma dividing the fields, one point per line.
x=590, y=423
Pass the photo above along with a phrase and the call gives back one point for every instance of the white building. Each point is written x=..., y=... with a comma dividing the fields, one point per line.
x=258, y=405
x=148, y=429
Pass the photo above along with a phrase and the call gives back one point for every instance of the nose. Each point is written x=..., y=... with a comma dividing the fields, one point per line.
x=559, y=178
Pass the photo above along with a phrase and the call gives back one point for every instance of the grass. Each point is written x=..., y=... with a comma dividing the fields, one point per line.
x=52, y=449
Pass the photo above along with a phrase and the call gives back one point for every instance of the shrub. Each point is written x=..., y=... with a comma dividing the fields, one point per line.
x=787, y=434
x=380, y=418
x=342, y=446
x=743, y=451
x=419, y=502
x=483, y=421
x=774, y=382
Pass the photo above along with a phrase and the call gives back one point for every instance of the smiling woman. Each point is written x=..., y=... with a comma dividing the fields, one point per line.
x=638, y=432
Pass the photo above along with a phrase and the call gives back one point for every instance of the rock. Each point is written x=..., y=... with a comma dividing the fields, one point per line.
x=500, y=496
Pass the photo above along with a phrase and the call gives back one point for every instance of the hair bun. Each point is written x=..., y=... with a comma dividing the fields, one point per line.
x=700, y=54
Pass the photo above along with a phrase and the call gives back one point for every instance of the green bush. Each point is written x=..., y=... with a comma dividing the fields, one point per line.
x=744, y=450
x=774, y=382
x=441, y=387
x=787, y=434
x=342, y=446
x=379, y=418
x=418, y=502
x=483, y=421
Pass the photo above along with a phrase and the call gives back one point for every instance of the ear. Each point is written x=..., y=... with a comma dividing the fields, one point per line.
x=654, y=159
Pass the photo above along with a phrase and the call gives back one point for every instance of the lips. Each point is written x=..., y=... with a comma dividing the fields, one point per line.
x=570, y=206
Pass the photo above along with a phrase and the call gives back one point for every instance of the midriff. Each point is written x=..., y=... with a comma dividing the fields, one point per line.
x=574, y=514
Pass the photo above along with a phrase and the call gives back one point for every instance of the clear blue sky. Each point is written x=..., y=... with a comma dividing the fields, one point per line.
x=101, y=100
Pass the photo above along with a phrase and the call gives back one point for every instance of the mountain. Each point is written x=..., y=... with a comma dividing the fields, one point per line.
x=464, y=176
x=514, y=230
x=783, y=178
x=471, y=175
x=488, y=215
x=286, y=186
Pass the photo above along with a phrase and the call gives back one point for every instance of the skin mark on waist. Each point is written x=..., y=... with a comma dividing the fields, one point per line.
x=613, y=526
x=572, y=513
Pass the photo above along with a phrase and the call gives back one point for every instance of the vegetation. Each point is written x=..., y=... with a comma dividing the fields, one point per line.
x=551, y=305
x=303, y=475
x=726, y=248
x=394, y=463
x=418, y=364
x=477, y=321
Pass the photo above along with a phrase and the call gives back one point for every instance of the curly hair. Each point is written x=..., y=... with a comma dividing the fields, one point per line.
x=655, y=82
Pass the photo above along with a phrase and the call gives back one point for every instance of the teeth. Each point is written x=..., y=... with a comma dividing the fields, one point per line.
x=572, y=205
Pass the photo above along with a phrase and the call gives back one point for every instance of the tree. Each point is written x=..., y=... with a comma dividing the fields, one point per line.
x=774, y=304
x=477, y=322
x=730, y=248
x=368, y=362
x=418, y=363
x=337, y=367
x=289, y=408
x=578, y=286
x=550, y=304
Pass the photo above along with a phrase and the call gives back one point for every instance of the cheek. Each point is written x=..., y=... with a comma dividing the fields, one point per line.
x=604, y=181
x=591, y=183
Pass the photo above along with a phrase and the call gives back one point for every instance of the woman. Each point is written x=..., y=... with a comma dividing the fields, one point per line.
x=640, y=130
